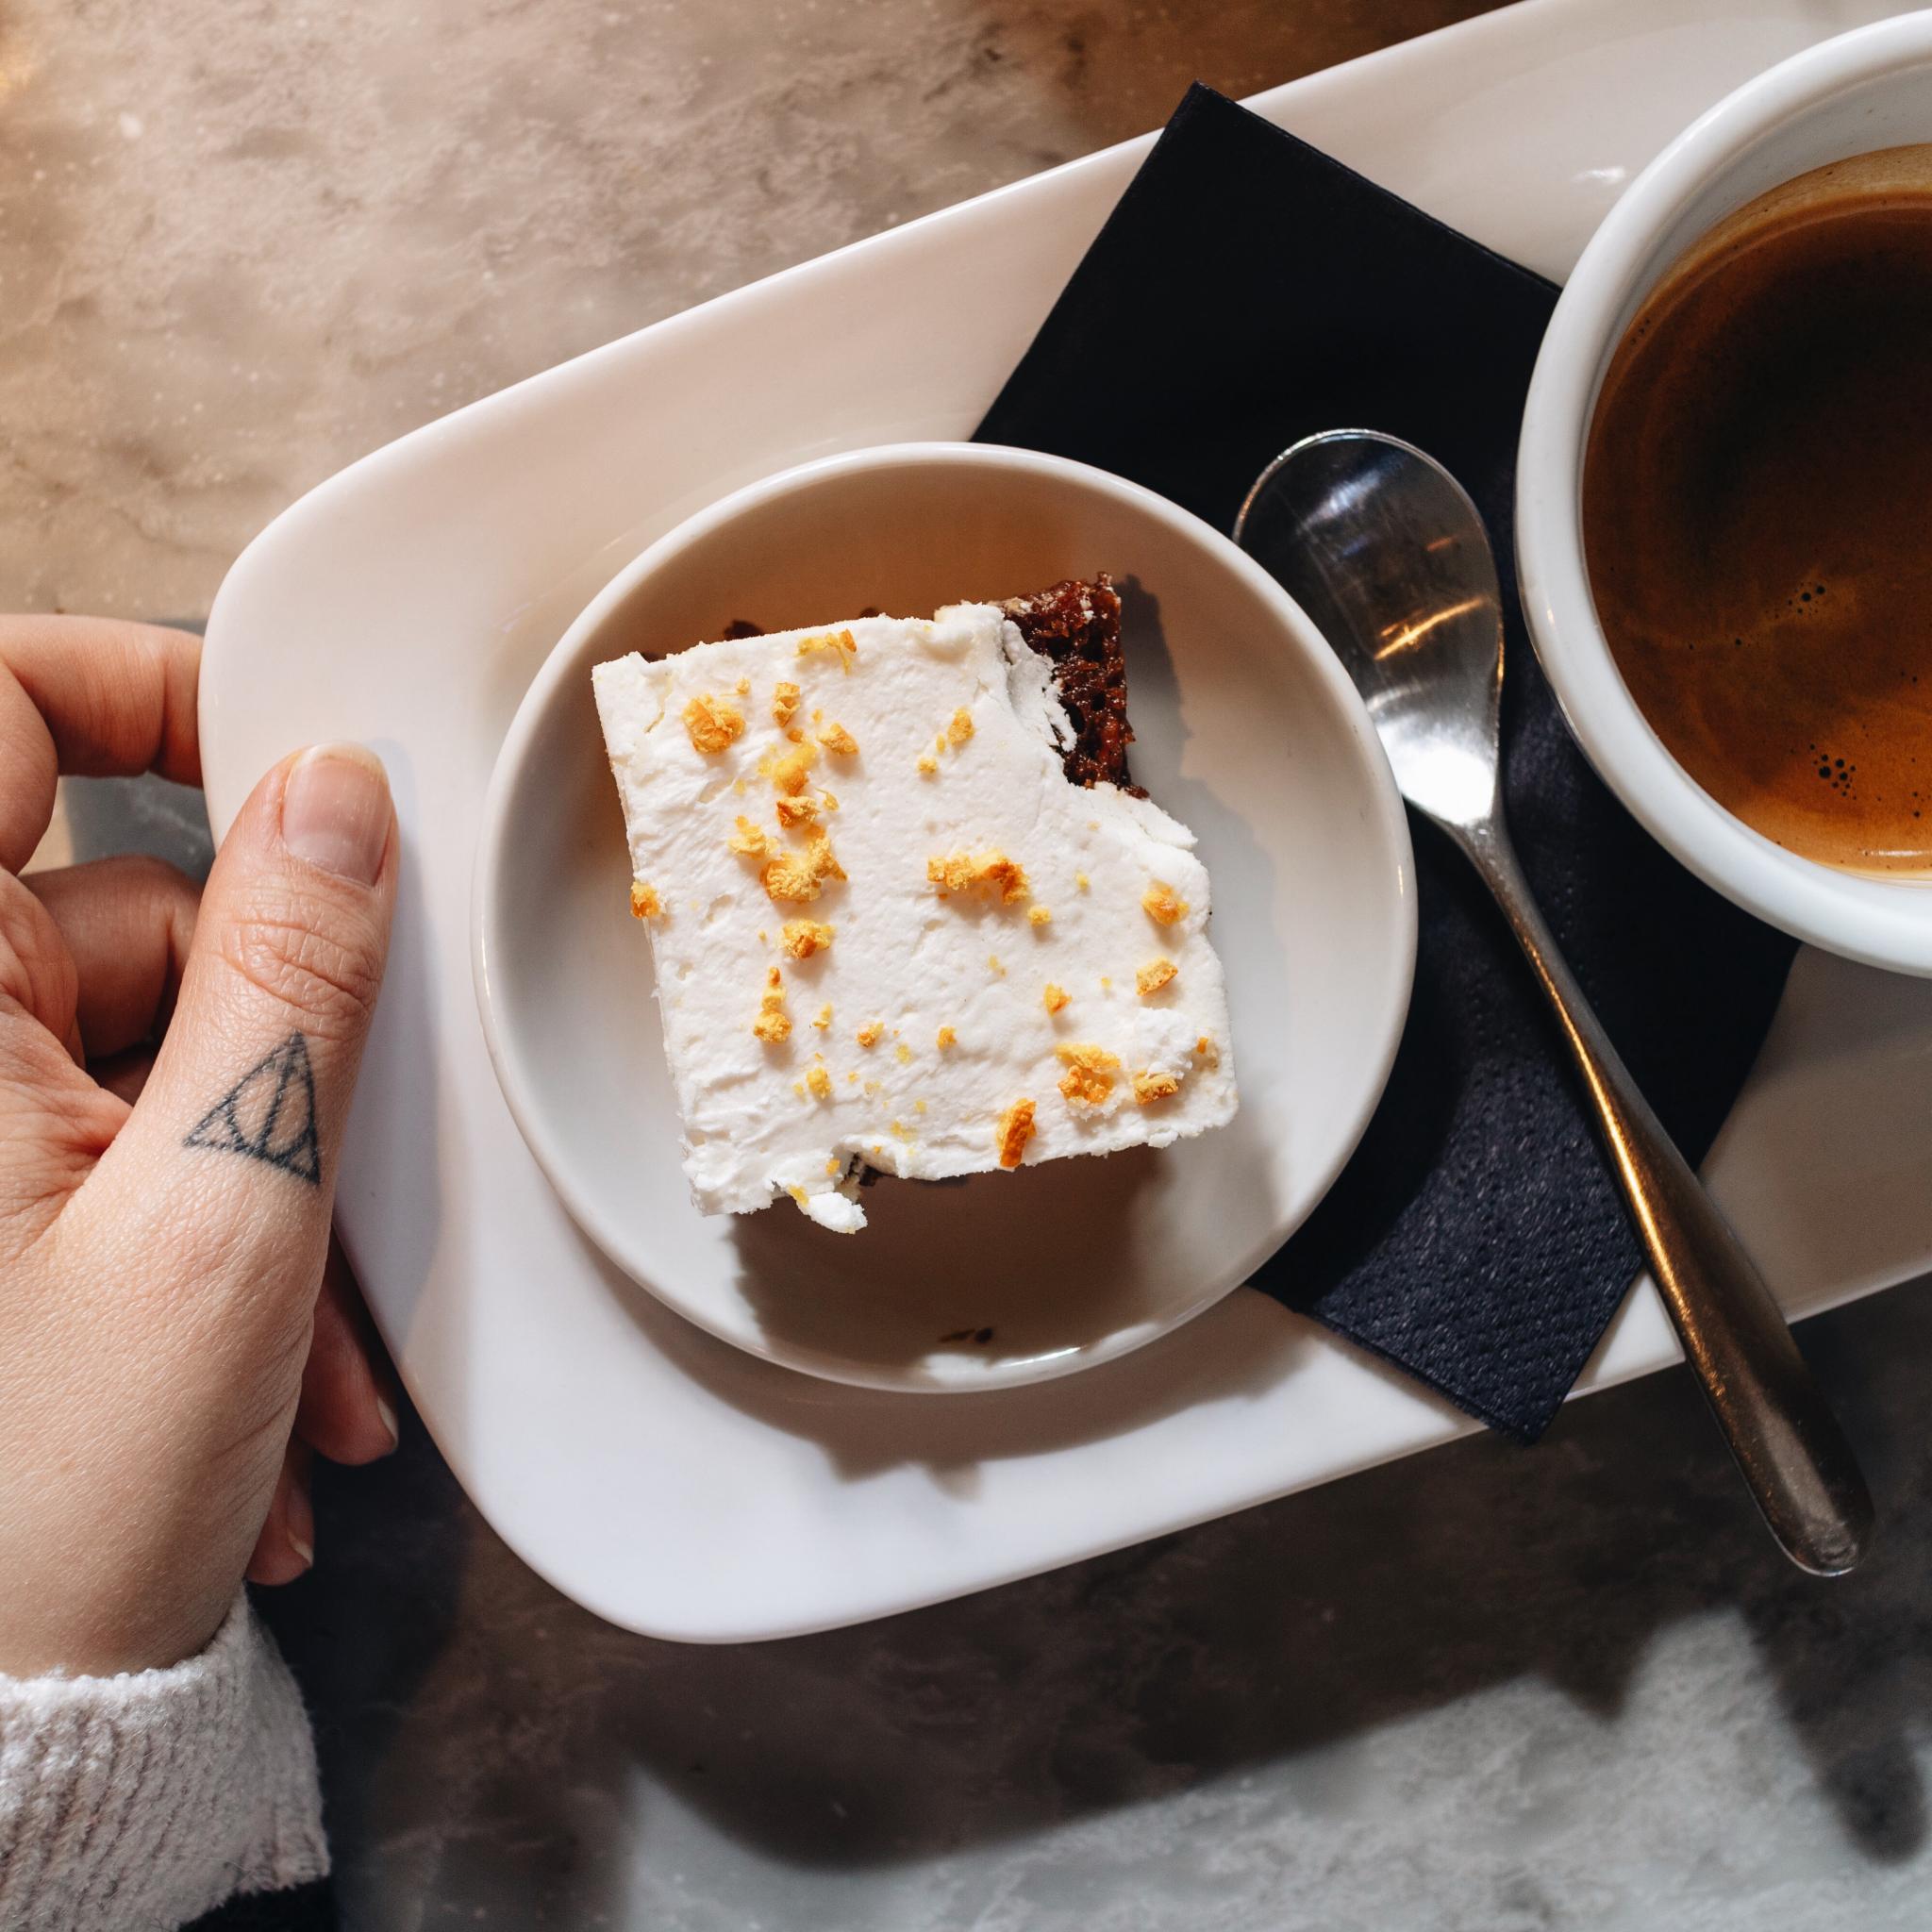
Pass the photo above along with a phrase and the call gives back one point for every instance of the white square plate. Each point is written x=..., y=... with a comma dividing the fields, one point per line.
x=656, y=1474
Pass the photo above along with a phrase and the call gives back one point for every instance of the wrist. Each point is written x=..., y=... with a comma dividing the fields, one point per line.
x=119, y=1633
x=100, y=1595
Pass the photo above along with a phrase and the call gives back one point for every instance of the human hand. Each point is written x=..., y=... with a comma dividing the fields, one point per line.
x=164, y=1214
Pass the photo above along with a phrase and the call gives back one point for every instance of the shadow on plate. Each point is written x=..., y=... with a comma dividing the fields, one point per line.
x=864, y=1432
x=995, y=1267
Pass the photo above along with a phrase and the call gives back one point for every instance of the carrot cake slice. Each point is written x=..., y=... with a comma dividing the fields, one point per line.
x=906, y=909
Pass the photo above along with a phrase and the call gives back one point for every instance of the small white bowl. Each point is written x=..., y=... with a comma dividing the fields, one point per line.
x=1867, y=90
x=1248, y=732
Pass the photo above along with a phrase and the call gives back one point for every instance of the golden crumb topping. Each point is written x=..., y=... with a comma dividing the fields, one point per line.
x=1038, y=915
x=945, y=1038
x=796, y=877
x=871, y=1033
x=1015, y=1129
x=1162, y=905
x=828, y=800
x=1081, y=880
x=1148, y=1087
x=825, y=1016
x=712, y=723
x=644, y=902
x=742, y=687
x=785, y=702
x=903, y=1054
x=960, y=730
x=793, y=812
x=927, y=764
x=819, y=1081
x=772, y=1024
x=1055, y=996
x=789, y=876
x=823, y=864
x=1089, y=1079
x=842, y=643
x=788, y=773
x=1153, y=976
x=749, y=841
x=963, y=872
x=1206, y=1052
x=837, y=740
x=799, y=939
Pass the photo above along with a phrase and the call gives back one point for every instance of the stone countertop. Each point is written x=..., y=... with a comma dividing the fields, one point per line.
x=1494, y=1688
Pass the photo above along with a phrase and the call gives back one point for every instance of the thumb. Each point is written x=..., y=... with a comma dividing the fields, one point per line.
x=225, y=1173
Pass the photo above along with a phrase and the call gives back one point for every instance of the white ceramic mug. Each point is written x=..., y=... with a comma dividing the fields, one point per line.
x=1863, y=90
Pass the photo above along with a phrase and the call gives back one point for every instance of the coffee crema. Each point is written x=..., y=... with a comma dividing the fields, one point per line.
x=1758, y=512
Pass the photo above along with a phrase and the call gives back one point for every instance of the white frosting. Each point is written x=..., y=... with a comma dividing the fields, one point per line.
x=905, y=954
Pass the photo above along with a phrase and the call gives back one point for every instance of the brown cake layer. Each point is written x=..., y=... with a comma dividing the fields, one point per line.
x=1075, y=625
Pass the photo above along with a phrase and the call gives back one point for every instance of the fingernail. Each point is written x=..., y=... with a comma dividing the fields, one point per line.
x=298, y=1520
x=335, y=811
x=386, y=1412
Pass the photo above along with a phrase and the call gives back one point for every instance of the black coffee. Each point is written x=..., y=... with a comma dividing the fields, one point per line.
x=1758, y=512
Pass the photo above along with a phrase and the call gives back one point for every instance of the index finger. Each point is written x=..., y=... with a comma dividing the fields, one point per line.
x=94, y=697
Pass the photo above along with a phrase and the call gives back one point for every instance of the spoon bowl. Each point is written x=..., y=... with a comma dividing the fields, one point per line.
x=1387, y=551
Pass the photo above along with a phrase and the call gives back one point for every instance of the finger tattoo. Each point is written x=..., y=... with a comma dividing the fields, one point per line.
x=269, y=1114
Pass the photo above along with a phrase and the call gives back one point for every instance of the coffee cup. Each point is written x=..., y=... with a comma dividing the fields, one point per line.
x=1862, y=92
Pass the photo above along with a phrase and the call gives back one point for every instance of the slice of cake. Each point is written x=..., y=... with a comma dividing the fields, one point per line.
x=905, y=909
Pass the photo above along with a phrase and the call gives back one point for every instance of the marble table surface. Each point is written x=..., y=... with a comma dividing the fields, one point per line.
x=242, y=242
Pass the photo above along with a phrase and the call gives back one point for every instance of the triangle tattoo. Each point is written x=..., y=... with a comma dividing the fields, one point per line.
x=269, y=1114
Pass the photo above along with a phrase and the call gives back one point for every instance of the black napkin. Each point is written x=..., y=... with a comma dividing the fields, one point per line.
x=1246, y=291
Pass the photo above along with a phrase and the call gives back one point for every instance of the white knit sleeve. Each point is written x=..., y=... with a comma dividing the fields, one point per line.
x=144, y=1801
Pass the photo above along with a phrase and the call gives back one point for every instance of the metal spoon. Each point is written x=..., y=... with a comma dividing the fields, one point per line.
x=1385, y=551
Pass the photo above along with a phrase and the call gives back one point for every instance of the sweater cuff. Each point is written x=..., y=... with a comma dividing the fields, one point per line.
x=148, y=1799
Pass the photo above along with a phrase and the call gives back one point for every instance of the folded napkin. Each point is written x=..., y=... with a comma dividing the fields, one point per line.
x=1246, y=291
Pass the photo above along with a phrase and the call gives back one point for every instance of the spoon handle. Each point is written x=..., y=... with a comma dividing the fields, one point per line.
x=1794, y=1457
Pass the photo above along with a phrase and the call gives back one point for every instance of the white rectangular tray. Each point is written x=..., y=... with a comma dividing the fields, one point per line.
x=653, y=1474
